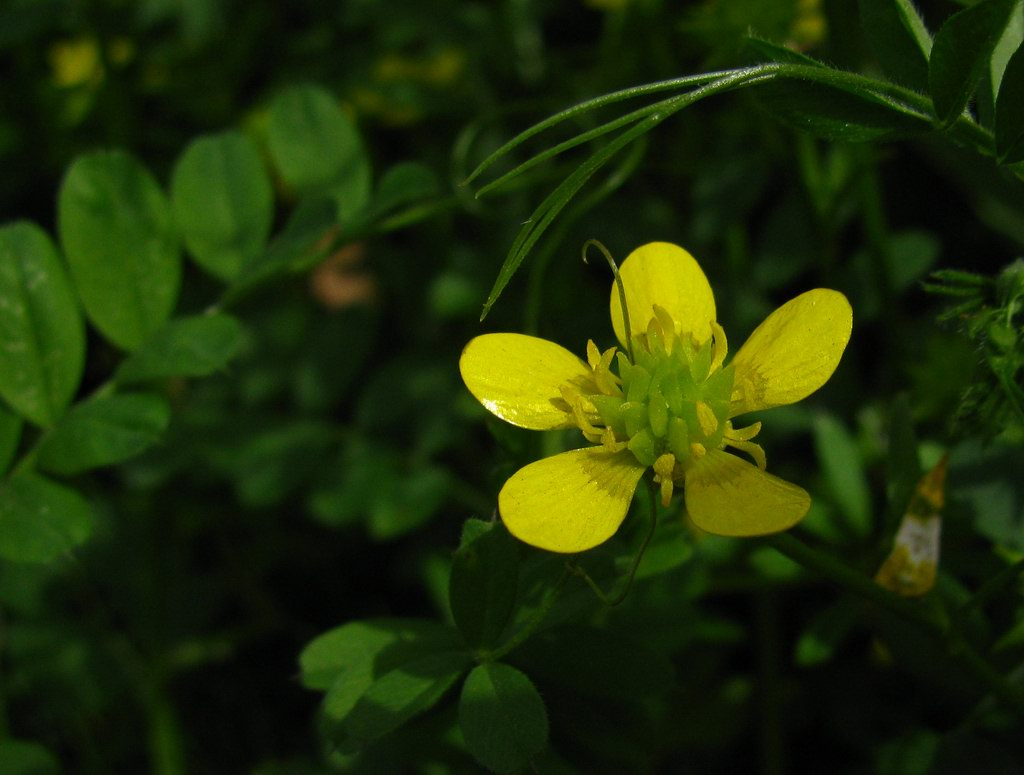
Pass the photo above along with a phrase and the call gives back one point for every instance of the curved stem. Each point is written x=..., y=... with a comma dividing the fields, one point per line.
x=612, y=601
x=531, y=625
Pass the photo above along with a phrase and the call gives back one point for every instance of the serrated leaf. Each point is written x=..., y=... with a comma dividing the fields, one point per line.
x=403, y=693
x=104, y=431
x=318, y=149
x=961, y=53
x=899, y=38
x=502, y=717
x=119, y=237
x=844, y=470
x=223, y=202
x=42, y=337
x=186, y=347
x=346, y=660
x=1010, y=111
x=483, y=583
x=41, y=520
x=22, y=757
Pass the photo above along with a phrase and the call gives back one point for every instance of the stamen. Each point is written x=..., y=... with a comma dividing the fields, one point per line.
x=697, y=450
x=609, y=442
x=576, y=402
x=664, y=467
x=593, y=354
x=706, y=418
x=668, y=327
x=741, y=434
x=752, y=449
x=607, y=382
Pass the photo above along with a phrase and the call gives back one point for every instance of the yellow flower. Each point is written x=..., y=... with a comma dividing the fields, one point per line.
x=668, y=405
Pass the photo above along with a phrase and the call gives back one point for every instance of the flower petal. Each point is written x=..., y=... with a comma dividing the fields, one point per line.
x=664, y=274
x=728, y=496
x=793, y=352
x=572, y=501
x=519, y=379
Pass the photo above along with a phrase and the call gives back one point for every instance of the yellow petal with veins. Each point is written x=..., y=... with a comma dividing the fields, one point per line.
x=520, y=378
x=663, y=274
x=728, y=496
x=793, y=352
x=572, y=501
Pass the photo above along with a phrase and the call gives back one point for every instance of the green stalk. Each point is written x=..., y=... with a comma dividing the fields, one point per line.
x=959, y=649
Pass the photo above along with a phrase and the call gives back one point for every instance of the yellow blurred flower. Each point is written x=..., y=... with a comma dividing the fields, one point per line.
x=76, y=62
x=668, y=404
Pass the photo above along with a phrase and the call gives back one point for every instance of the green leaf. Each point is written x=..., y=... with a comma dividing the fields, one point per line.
x=1010, y=111
x=42, y=338
x=404, y=692
x=118, y=234
x=41, y=520
x=961, y=54
x=347, y=660
x=223, y=202
x=503, y=719
x=318, y=149
x=10, y=435
x=404, y=183
x=104, y=431
x=844, y=470
x=900, y=40
x=836, y=113
x=21, y=757
x=482, y=587
x=414, y=497
x=303, y=235
x=186, y=347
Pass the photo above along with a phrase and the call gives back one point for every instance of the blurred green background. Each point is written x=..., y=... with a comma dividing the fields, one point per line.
x=325, y=474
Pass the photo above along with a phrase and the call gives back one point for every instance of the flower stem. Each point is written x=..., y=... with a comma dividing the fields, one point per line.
x=531, y=625
x=957, y=647
x=605, y=599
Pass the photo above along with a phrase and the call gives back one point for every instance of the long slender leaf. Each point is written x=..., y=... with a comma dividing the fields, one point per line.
x=594, y=104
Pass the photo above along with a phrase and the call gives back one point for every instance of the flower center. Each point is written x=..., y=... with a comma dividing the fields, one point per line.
x=668, y=405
